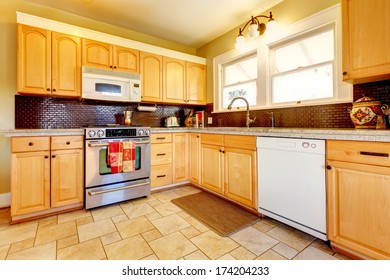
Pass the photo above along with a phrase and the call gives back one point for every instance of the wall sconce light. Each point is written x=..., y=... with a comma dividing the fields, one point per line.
x=256, y=28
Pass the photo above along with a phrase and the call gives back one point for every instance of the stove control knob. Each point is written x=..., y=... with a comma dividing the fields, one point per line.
x=141, y=132
x=147, y=132
x=100, y=133
x=91, y=133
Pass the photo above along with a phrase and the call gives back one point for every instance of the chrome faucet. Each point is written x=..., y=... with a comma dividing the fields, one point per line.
x=248, y=118
x=272, y=119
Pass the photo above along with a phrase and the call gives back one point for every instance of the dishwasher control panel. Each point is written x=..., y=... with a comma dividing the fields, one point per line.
x=316, y=146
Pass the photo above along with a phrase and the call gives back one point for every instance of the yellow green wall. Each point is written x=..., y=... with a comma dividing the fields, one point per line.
x=286, y=12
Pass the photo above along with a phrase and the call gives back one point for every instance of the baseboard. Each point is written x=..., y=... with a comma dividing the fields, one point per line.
x=5, y=200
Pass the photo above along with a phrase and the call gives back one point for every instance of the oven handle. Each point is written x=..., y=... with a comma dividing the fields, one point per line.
x=106, y=144
x=91, y=193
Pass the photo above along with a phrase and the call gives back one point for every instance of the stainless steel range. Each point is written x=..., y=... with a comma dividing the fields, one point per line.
x=103, y=185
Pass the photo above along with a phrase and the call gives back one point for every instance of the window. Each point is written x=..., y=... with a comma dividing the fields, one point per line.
x=302, y=68
x=239, y=80
x=298, y=65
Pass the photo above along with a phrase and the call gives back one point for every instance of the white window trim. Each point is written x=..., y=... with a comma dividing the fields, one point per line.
x=343, y=90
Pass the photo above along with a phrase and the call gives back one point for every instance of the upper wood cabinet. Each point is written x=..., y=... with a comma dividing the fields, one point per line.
x=151, y=75
x=104, y=55
x=48, y=63
x=196, y=83
x=366, y=38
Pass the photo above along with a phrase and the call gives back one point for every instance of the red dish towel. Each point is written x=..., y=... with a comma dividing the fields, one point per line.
x=128, y=156
x=115, y=156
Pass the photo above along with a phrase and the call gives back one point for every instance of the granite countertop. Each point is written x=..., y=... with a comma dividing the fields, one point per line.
x=310, y=133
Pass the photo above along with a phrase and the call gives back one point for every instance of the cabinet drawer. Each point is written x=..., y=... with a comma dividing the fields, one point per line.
x=29, y=144
x=240, y=142
x=161, y=153
x=212, y=139
x=67, y=142
x=161, y=138
x=375, y=153
x=161, y=175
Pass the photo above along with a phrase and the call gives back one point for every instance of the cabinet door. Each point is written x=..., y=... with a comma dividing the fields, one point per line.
x=66, y=65
x=30, y=182
x=174, y=80
x=67, y=177
x=97, y=54
x=358, y=207
x=125, y=59
x=33, y=60
x=212, y=167
x=151, y=75
x=240, y=176
x=180, y=157
x=196, y=83
x=366, y=40
x=194, y=154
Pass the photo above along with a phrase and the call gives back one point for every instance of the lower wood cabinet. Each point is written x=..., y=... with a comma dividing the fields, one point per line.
x=46, y=175
x=358, y=186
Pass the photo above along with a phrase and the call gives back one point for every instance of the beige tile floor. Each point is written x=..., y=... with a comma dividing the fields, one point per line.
x=151, y=228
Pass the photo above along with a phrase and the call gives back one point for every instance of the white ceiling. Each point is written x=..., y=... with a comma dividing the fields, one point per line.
x=189, y=22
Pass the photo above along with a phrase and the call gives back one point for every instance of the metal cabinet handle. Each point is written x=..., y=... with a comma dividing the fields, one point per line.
x=91, y=193
x=328, y=167
x=363, y=153
x=161, y=176
x=160, y=138
x=161, y=154
x=53, y=156
x=46, y=156
x=31, y=144
x=67, y=143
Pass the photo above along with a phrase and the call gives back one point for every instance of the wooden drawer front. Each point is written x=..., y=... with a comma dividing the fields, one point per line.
x=67, y=142
x=161, y=175
x=212, y=139
x=30, y=144
x=375, y=153
x=240, y=142
x=161, y=138
x=161, y=153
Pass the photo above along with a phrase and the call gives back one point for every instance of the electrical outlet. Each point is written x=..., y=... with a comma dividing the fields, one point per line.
x=209, y=120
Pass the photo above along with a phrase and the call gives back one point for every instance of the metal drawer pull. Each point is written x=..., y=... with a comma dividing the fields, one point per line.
x=160, y=138
x=117, y=189
x=374, y=154
x=30, y=143
x=161, y=176
x=161, y=154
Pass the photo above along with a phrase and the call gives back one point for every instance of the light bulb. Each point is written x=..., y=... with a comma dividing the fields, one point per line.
x=253, y=31
x=271, y=26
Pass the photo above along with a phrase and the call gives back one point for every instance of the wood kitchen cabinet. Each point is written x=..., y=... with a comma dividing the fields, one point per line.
x=196, y=83
x=46, y=175
x=228, y=167
x=366, y=39
x=180, y=157
x=358, y=192
x=161, y=159
x=194, y=158
x=48, y=63
x=107, y=56
x=151, y=75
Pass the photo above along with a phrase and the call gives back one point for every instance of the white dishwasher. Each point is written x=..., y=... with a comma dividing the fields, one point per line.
x=291, y=182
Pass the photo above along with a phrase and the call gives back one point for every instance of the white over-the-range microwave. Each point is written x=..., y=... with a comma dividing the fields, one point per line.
x=109, y=85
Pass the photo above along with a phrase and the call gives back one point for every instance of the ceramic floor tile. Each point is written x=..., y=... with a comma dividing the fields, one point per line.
x=270, y=255
x=21, y=245
x=134, y=211
x=84, y=221
x=166, y=196
x=254, y=240
x=133, y=248
x=4, y=251
x=242, y=253
x=184, y=191
x=197, y=255
x=170, y=224
x=196, y=224
x=153, y=216
x=166, y=209
x=50, y=221
x=141, y=200
x=190, y=232
x=311, y=253
x=285, y=250
x=213, y=245
x=292, y=237
x=119, y=218
x=68, y=241
x=319, y=244
x=151, y=235
x=74, y=215
x=89, y=250
x=96, y=229
x=106, y=212
x=55, y=232
x=17, y=233
x=152, y=257
x=46, y=251
x=226, y=257
x=172, y=247
x=110, y=238
x=133, y=227
x=262, y=226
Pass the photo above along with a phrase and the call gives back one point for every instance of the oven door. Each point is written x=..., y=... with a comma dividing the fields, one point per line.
x=98, y=173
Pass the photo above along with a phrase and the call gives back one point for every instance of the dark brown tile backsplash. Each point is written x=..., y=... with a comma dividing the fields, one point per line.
x=47, y=112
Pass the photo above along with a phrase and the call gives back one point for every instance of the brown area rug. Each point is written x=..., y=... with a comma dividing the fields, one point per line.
x=223, y=217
